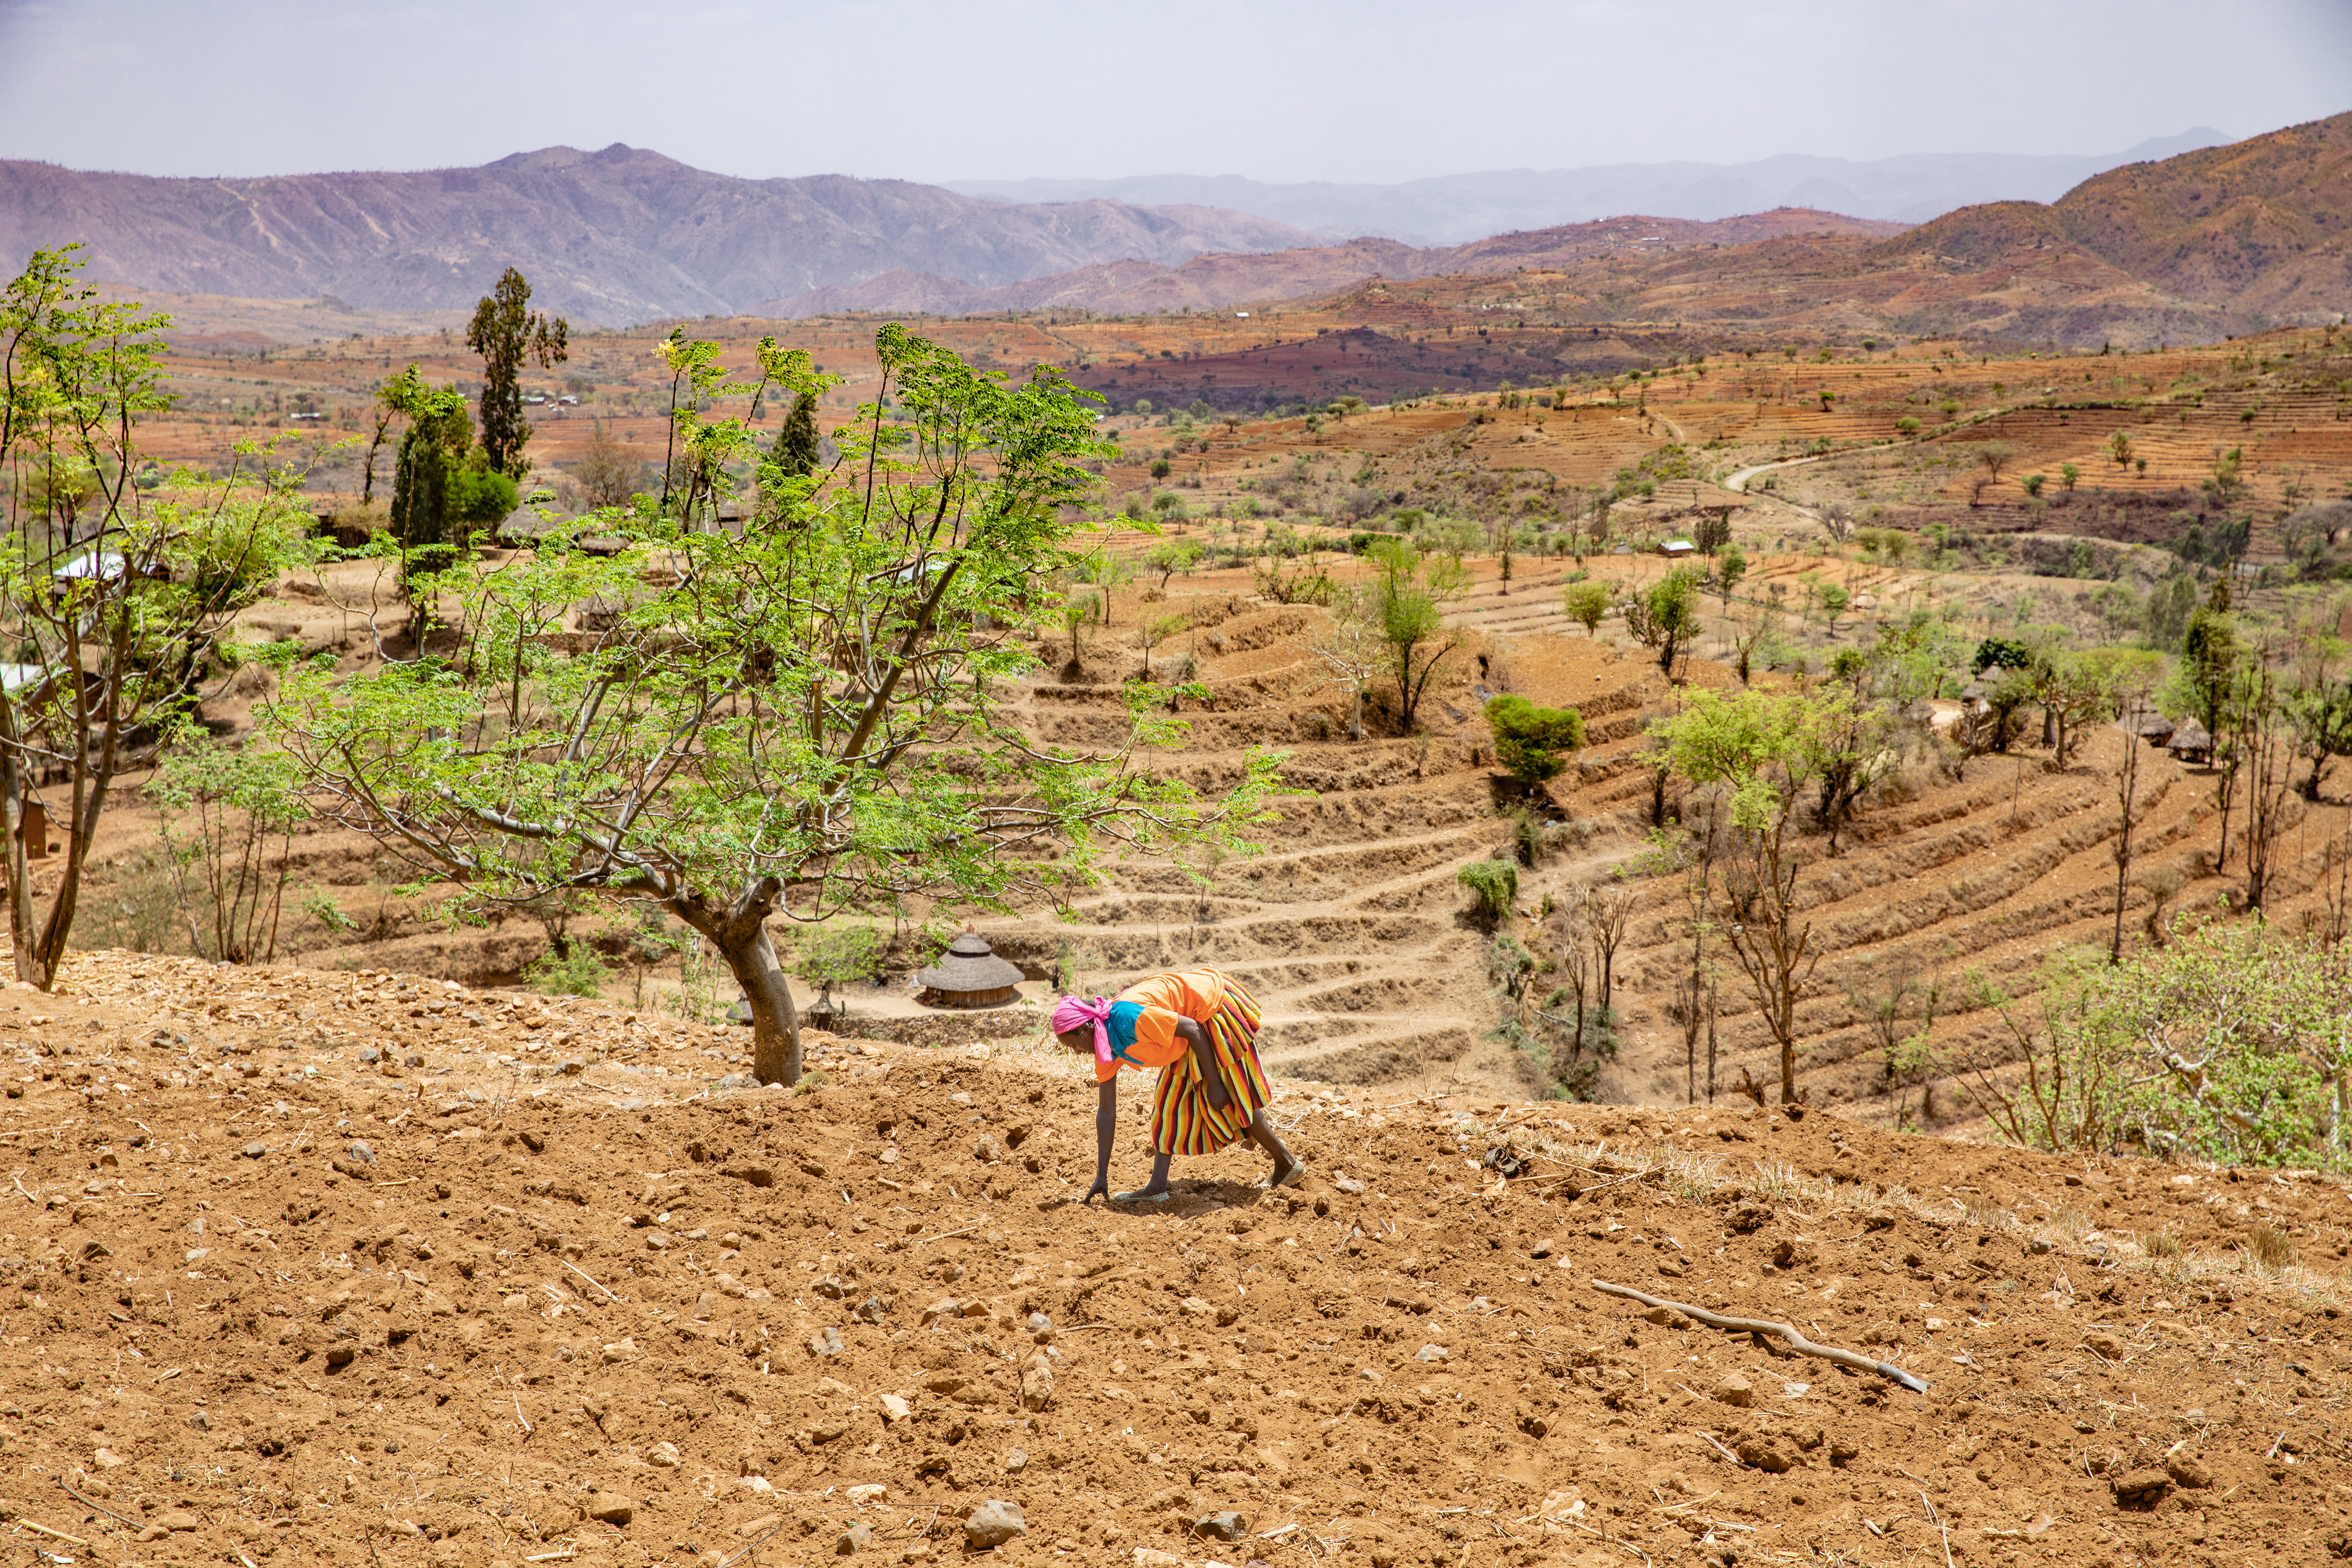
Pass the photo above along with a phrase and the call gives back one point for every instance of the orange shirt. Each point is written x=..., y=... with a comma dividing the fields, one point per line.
x=1143, y=1017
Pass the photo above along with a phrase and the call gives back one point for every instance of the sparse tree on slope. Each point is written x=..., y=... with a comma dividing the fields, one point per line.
x=808, y=724
x=507, y=332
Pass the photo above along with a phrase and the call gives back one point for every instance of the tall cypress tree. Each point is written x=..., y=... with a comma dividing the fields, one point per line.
x=506, y=331
x=796, y=445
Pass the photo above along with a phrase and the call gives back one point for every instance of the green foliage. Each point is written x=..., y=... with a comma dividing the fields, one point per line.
x=2227, y=1045
x=806, y=725
x=1495, y=887
x=1406, y=601
x=838, y=953
x=798, y=447
x=118, y=603
x=1730, y=568
x=1169, y=556
x=1666, y=616
x=578, y=972
x=478, y=495
x=1589, y=603
x=1529, y=738
x=226, y=813
x=2002, y=651
x=507, y=332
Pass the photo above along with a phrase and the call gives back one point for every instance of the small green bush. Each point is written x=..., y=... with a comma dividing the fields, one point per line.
x=1495, y=884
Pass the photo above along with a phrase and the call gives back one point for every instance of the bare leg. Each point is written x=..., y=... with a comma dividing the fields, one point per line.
x=1159, y=1182
x=1286, y=1165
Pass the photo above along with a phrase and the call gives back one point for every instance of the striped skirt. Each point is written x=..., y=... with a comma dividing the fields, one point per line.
x=1182, y=1119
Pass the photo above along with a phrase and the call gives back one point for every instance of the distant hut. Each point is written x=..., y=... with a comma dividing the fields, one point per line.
x=969, y=974
x=2154, y=727
x=2191, y=743
x=1677, y=548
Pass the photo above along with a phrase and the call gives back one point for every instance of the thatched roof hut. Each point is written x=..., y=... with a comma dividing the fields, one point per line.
x=969, y=974
x=2191, y=743
x=2154, y=728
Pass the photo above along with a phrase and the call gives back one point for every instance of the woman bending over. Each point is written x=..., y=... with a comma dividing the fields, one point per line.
x=1198, y=1027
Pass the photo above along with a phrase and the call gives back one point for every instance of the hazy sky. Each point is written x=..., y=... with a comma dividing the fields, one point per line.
x=1278, y=90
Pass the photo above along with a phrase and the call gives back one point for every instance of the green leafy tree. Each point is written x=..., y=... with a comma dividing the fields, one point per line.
x=1589, y=603
x=1169, y=556
x=1409, y=593
x=1759, y=746
x=1730, y=568
x=227, y=815
x=116, y=616
x=808, y=724
x=424, y=529
x=1529, y=738
x=1665, y=617
x=840, y=953
x=798, y=447
x=507, y=333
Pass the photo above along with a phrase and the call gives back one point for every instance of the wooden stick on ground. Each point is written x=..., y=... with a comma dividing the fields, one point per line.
x=1782, y=1332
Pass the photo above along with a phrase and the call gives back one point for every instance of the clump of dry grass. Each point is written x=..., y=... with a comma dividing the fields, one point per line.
x=2270, y=1249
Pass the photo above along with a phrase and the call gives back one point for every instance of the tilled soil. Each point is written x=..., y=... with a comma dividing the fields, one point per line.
x=543, y=1283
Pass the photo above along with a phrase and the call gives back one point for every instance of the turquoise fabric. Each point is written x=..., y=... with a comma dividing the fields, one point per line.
x=1121, y=1025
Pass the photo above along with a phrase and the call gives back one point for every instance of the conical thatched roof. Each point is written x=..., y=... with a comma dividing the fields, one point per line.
x=969, y=965
x=2155, y=727
x=2190, y=737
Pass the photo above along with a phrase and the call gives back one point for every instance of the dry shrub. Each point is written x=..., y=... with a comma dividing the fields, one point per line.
x=2162, y=1243
x=2271, y=1248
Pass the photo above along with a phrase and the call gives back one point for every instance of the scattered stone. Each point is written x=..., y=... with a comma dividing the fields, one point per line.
x=1015, y=1461
x=1040, y=1326
x=106, y=1459
x=869, y=1311
x=858, y=1537
x=611, y=1509
x=1541, y=1250
x=1369, y=1375
x=1735, y=1390
x=2140, y=1488
x=619, y=1351
x=179, y=1518
x=1433, y=1352
x=658, y=1242
x=1036, y=1383
x=1348, y=1184
x=253, y=1151
x=2189, y=1471
x=895, y=1409
x=826, y=1342
x=993, y=1523
x=1196, y=1306
x=830, y=1288
x=1223, y=1526
x=666, y=1454
x=361, y=1153
x=870, y=1492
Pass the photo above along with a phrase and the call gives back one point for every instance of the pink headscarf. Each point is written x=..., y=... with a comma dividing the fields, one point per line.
x=1072, y=1013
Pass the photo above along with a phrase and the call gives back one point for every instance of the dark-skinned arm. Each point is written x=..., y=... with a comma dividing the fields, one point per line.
x=1205, y=1060
x=1106, y=1125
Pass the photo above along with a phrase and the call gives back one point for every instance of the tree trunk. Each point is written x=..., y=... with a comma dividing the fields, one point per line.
x=775, y=1021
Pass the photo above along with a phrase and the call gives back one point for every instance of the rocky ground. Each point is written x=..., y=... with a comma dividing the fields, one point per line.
x=369, y=1268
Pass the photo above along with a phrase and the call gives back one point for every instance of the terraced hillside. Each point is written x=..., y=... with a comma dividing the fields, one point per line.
x=1353, y=930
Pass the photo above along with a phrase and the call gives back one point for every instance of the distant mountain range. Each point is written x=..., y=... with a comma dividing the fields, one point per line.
x=611, y=237
x=1214, y=278
x=2218, y=239
x=2222, y=239
x=1452, y=208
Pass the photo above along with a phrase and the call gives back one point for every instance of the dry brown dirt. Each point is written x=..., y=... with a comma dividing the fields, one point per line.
x=555, y=1286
